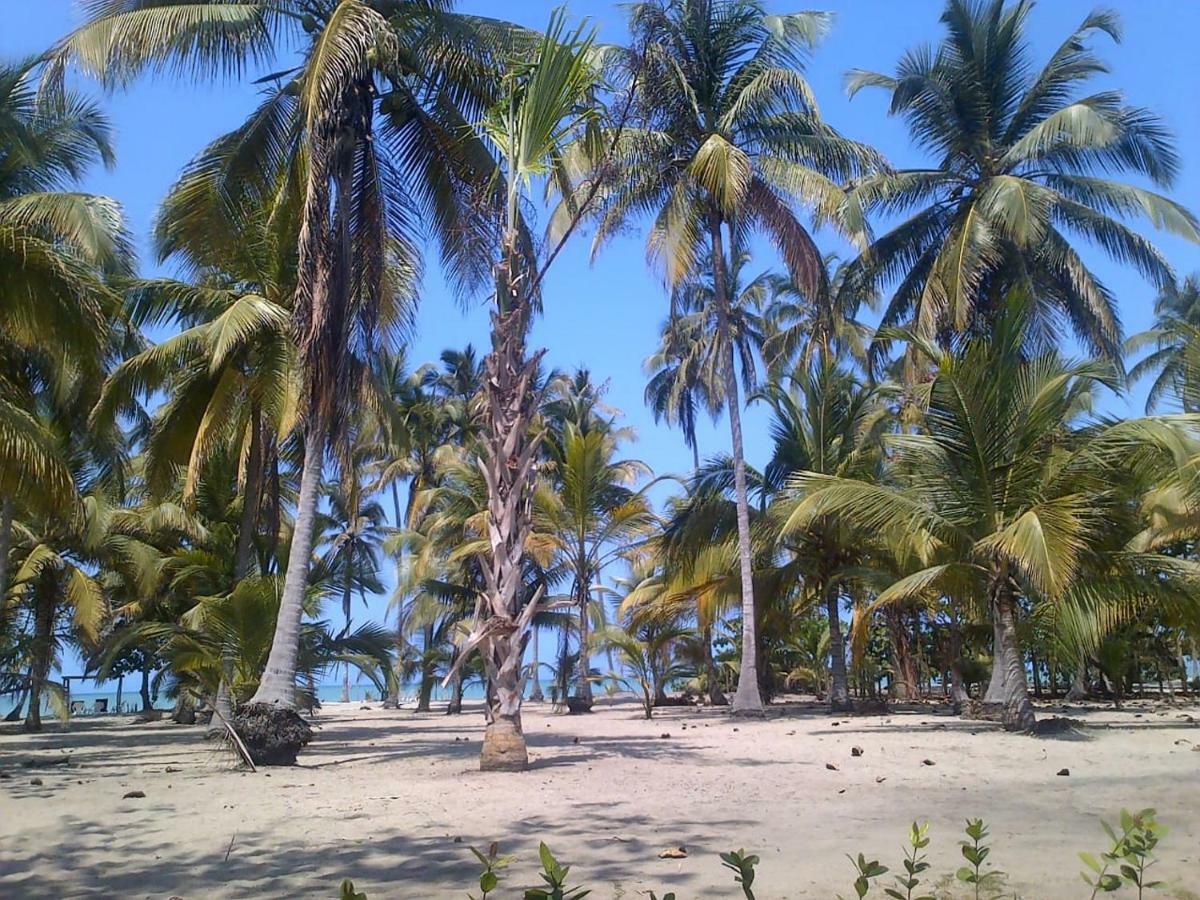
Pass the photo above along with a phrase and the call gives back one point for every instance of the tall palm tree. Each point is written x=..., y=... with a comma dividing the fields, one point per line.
x=1019, y=161
x=729, y=139
x=408, y=73
x=58, y=248
x=1012, y=489
x=546, y=102
x=710, y=334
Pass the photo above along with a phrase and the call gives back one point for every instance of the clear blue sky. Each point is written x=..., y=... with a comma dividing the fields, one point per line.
x=606, y=316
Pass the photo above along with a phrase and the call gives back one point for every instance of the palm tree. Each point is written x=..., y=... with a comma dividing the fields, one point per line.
x=829, y=424
x=679, y=387
x=597, y=515
x=1016, y=497
x=1018, y=166
x=405, y=72
x=58, y=249
x=1175, y=339
x=809, y=331
x=729, y=137
x=645, y=652
x=544, y=105
x=353, y=533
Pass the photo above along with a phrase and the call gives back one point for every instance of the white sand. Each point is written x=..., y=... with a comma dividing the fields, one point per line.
x=383, y=797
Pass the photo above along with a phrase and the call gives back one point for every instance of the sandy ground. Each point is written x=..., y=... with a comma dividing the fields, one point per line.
x=393, y=800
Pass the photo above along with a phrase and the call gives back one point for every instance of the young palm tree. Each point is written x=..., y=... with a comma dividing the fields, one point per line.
x=1014, y=494
x=829, y=424
x=597, y=515
x=730, y=138
x=1019, y=165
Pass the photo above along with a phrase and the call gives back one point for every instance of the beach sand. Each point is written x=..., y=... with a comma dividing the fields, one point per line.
x=392, y=800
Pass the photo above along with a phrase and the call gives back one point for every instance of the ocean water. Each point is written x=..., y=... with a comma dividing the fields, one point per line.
x=131, y=701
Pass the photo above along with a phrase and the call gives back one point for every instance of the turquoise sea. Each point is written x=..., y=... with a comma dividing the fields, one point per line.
x=131, y=701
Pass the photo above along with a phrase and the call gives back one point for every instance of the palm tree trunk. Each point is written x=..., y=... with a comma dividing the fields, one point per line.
x=747, y=700
x=507, y=457
x=995, y=690
x=144, y=690
x=959, y=697
x=278, y=684
x=583, y=688
x=716, y=697
x=1078, y=690
x=243, y=558
x=457, y=685
x=6, y=519
x=251, y=499
x=43, y=649
x=425, y=693
x=904, y=683
x=1016, y=711
x=393, y=696
x=347, y=598
x=275, y=517
x=536, y=694
x=839, y=686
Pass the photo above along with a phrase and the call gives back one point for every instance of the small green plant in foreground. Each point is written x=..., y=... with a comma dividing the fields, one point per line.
x=555, y=876
x=743, y=865
x=1127, y=863
x=1129, y=858
x=489, y=878
x=975, y=852
x=914, y=864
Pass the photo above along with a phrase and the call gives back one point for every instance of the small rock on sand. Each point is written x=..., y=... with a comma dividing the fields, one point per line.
x=36, y=782
x=134, y=795
x=831, y=767
x=674, y=853
x=856, y=751
x=1064, y=772
x=928, y=762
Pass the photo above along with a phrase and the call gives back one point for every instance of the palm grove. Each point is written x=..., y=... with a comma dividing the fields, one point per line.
x=943, y=511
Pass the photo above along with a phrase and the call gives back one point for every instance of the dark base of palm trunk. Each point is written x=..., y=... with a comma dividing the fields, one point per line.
x=273, y=735
x=841, y=706
x=503, y=747
x=579, y=705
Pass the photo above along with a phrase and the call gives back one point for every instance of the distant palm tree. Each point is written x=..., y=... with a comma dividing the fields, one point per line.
x=598, y=515
x=1018, y=167
x=353, y=534
x=811, y=331
x=730, y=140
x=1175, y=339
